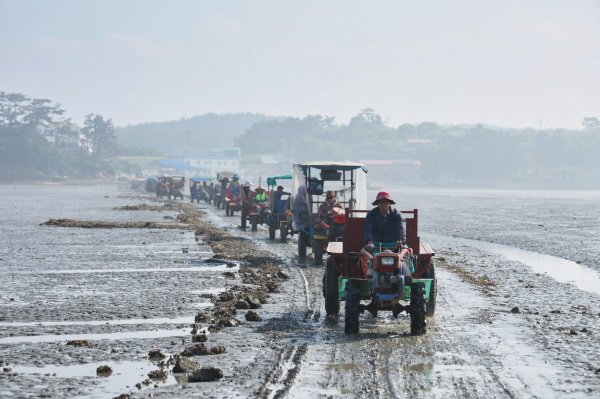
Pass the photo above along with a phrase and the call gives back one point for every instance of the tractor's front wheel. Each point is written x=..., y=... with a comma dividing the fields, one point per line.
x=302, y=244
x=418, y=309
x=254, y=221
x=432, y=290
x=283, y=233
x=332, y=302
x=318, y=252
x=352, y=325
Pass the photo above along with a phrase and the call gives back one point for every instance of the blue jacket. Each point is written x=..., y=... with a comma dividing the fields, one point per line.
x=388, y=228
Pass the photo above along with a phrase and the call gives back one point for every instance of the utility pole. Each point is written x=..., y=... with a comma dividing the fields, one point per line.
x=540, y=124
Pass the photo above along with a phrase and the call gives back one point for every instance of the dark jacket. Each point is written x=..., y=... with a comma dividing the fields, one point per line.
x=388, y=228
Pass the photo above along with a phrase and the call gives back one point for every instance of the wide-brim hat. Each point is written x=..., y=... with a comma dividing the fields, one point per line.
x=260, y=188
x=382, y=195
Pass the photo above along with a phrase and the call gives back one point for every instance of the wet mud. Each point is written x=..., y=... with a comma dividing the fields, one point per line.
x=255, y=326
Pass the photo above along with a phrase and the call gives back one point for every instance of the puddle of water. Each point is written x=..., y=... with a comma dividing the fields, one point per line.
x=562, y=270
x=127, y=373
x=180, y=320
x=214, y=291
x=96, y=337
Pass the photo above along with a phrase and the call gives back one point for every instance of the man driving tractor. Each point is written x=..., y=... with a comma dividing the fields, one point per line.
x=260, y=196
x=383, y=224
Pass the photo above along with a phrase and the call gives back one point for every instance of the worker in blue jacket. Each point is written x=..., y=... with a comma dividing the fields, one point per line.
x=384, y=224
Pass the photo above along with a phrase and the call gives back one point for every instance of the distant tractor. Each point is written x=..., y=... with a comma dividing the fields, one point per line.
x=388, y=277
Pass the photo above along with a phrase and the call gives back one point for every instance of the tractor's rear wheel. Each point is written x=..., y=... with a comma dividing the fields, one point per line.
x=418, y=309
x=432, y=290
x=351, y=321
x=318, y=252
x=227, y=210
x=254, y=221
x=302, y=244
x=283, y=233
x=243, y=218
x=332, y=302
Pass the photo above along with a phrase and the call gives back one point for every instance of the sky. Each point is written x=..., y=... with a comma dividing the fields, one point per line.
x=507, y=63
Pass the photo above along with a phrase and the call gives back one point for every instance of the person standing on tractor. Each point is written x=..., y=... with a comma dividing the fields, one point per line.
x=246, y=188
x=260, y=197
x=330, y=207
x=383, y=224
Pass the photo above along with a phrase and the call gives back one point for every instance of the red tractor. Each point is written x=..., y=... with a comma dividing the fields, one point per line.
x=388, y=278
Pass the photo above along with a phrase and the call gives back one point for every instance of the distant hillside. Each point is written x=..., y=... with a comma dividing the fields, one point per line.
x=205, y=132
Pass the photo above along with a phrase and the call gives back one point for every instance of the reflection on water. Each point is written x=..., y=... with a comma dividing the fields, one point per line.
x=122, y=380
x=165, y=320
x=95, y=337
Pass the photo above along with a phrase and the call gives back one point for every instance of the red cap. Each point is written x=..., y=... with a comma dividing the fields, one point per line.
x=383, y=194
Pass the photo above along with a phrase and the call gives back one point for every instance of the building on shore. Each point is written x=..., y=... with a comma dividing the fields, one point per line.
x=66, y=136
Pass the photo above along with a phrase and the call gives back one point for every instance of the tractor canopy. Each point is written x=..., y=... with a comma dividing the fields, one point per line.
x=272, y=181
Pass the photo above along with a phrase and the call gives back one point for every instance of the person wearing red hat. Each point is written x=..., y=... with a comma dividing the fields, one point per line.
x=384, y=224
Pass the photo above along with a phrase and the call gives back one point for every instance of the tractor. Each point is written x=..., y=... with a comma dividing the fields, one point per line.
x=280, y=217
x=393, y=278
x=309, y=183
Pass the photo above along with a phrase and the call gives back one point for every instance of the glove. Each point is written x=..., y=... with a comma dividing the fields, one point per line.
x=369, y=248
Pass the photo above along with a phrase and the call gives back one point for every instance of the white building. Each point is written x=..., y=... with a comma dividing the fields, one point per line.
x=212, y=164
x=67, y=137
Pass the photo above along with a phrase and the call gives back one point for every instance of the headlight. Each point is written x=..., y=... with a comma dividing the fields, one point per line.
x=387, y=261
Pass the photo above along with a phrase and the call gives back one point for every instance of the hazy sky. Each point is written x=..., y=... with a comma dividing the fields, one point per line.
x=508, y=63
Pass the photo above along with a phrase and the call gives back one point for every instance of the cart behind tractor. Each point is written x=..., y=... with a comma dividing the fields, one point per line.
x=281, y=216
x=309, y=183
x=391, y=278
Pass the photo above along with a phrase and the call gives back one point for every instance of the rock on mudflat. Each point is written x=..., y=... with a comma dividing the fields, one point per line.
x=206, y=374
x=195, y=350
x=202, y=317
x=104, y=371
x=283, y=275
x=252, y=316
x=241, y=304
x=200, y=337
x=78, y=342
x=7, y=369
x=185, y=365
x=156, y=354
x=123, y=396
x=515, y=310
x=254, y=303
x=158, y=374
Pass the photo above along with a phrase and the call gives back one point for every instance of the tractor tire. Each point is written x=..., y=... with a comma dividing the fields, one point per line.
x=351, y=322
x=254, y=221
x=418, y=309
x=156, y=195
x=191, y=199
x=227, y=210
x=432, y=291
x=169, y=196
x=302, y=244
x=272, y=230
x=318, y=253
x=243, y=219
x=332, y=302
x=283, y=234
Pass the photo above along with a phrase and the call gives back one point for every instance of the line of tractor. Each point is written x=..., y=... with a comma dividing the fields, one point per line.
x=325, y=205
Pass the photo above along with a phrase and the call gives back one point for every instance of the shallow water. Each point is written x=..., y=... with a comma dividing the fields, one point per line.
x=559, y=269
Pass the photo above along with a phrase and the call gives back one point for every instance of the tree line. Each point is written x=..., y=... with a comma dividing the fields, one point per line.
x=465, y=152
x=22, y=147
